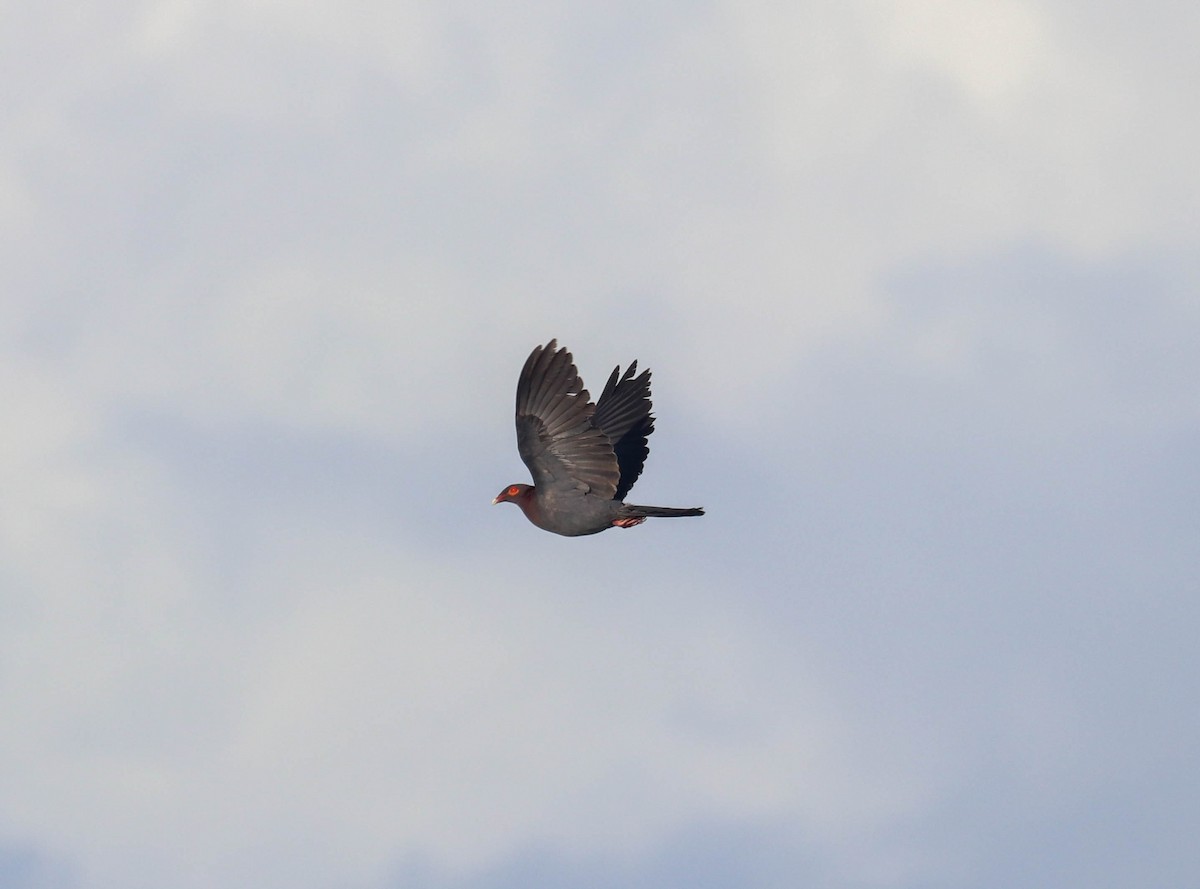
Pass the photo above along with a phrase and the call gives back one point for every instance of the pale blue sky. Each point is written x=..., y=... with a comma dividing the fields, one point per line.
x=918, y=283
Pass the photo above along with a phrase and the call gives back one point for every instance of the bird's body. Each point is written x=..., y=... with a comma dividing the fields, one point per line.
x=583, y=457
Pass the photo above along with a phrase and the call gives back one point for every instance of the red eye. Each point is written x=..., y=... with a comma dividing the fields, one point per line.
x=512, y=492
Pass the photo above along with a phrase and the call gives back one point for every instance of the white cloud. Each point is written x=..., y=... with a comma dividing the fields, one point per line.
x=993, y=51
x=271, y=230
x=393, y=707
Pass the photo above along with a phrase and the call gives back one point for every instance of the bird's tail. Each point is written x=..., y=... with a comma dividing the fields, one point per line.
x=642, y=512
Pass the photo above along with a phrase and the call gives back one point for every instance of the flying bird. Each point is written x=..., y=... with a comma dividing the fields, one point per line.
x=583, y=457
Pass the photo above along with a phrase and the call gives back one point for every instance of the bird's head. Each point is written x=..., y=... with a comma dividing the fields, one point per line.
x=513, y=493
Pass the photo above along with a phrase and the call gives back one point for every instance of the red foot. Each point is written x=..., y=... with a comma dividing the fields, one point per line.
x=628, y=523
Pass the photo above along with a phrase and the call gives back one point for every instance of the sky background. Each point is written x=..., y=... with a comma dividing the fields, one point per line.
x=920, y=285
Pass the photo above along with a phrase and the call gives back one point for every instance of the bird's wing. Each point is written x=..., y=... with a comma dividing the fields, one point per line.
x=623, y=412
x=555, y=434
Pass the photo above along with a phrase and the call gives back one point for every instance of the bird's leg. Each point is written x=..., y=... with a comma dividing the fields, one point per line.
x=628, y=523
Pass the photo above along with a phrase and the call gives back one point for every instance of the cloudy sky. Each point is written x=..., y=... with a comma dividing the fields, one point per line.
x=920, y=284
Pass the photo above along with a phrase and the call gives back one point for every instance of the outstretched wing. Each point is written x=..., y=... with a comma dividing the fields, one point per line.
x=623, y=412
x=555, y=434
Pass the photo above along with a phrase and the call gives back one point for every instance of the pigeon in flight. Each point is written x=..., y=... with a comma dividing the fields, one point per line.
x=583, y=457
